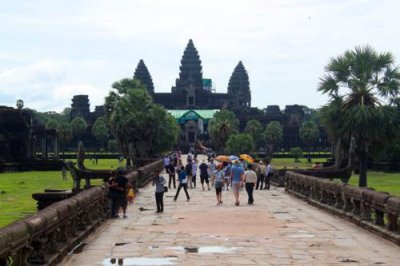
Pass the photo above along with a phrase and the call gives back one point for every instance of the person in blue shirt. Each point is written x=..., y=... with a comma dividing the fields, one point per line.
x=236, y=180
x=182, y=183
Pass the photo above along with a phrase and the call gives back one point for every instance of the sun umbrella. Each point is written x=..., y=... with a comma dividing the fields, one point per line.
x=247, y=158
x=222, y=158
x=233, y=158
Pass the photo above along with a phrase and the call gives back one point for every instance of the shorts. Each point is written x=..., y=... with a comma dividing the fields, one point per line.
x=204, y=178
x=122, y=201
x=235, y=186
x=218, y=184
x=218, y=190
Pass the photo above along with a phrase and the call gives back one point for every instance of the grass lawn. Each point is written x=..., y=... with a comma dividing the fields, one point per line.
x=289, y=163
x=381, y=181
x=16, y=189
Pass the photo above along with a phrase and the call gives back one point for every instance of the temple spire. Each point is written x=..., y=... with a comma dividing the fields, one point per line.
x=190, y=69
x=143, y=74
x=239, y=87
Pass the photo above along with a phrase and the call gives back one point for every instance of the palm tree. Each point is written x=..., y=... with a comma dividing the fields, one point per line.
x=221, y=126
x=365, y=81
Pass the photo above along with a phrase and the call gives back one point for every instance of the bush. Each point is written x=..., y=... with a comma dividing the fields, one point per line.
x=297, y=153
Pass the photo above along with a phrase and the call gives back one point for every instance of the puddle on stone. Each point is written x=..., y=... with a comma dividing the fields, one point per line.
x=139, y=261
x=144, y=209
x=121, y=243
x=300, y=236
x=200, y=250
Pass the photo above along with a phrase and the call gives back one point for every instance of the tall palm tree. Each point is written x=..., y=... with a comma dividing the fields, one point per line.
x=365, y=81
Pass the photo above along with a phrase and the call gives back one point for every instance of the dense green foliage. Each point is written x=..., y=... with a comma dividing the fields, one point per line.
x=239, y=143
x=296, y=153
x=100, y=131
x=364, y=81
x=255, y=130
x=273, y=135
x=78, y=127
x=141, y=127
x=221, y=126
x=309, y=134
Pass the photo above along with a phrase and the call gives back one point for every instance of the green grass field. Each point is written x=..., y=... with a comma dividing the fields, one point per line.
x=381, y=181
x=16, y=189
x=289, y=163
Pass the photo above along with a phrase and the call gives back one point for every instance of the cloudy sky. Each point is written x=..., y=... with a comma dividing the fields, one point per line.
x=51, y=50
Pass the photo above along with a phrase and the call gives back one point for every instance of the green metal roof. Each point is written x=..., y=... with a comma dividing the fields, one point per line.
x=191, y=114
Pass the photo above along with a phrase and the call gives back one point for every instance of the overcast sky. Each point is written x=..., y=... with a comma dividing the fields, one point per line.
x=51, y=50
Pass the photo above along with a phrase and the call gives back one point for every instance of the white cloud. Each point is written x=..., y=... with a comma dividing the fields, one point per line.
x=54, y=49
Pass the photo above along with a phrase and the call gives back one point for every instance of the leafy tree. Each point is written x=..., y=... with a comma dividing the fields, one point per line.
x=309, y=134
x=254, y=128
x=64, y=134
x=273, y=135
x=100, y=131
x=78, y=127
x=297, y=153
x=141, y=127
x=221, y=126
x=238, y=143
x=365, y=80
x=112, y=145
x=51, y=124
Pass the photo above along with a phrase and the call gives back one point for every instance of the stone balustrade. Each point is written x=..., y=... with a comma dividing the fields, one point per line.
x=376, y=211
x=50, y=234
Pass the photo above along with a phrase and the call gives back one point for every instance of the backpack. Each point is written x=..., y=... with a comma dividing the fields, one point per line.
x=228, y=170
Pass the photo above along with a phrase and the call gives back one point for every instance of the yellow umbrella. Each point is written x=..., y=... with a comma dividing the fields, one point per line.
x=247, y=158
x=223, y=158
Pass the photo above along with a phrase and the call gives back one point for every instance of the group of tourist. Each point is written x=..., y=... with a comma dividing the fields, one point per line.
x=221, y=176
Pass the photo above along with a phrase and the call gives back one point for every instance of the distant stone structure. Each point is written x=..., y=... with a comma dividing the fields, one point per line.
x=80, y=107
x=24, y=143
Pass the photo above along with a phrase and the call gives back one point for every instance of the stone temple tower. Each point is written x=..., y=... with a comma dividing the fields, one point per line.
x=239, y=88
x=143, y=74
x=190, y=75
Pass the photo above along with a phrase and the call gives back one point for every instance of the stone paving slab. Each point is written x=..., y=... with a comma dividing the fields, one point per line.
x=277, y=230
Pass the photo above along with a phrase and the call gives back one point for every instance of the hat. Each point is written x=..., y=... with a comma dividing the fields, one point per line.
x=261, y=162
x=236, y=162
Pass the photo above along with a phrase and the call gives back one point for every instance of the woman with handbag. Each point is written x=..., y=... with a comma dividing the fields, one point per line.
x=160, y=183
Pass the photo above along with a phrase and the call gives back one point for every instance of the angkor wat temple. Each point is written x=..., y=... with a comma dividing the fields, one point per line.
x=193, y=101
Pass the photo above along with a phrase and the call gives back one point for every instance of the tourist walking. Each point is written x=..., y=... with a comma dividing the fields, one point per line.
x=250, y=179
x=227, y=175
x=182, y=184
x=64, y=173
x=260, y=171
x=171, y=175
x=268, y=173
x=236, y=180
x=188, y=169
x=204, y=176
x=167, y=162
x=219, y=183
x=159, y=182
x=112, y=195
x=194, y=171
x=211, y=170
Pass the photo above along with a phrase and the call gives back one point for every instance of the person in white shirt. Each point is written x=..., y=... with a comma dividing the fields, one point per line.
x=250, y=179
x=211, y=170
x=268, y=173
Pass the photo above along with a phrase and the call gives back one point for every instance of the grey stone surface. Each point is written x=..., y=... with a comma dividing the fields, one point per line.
x=276, y=230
